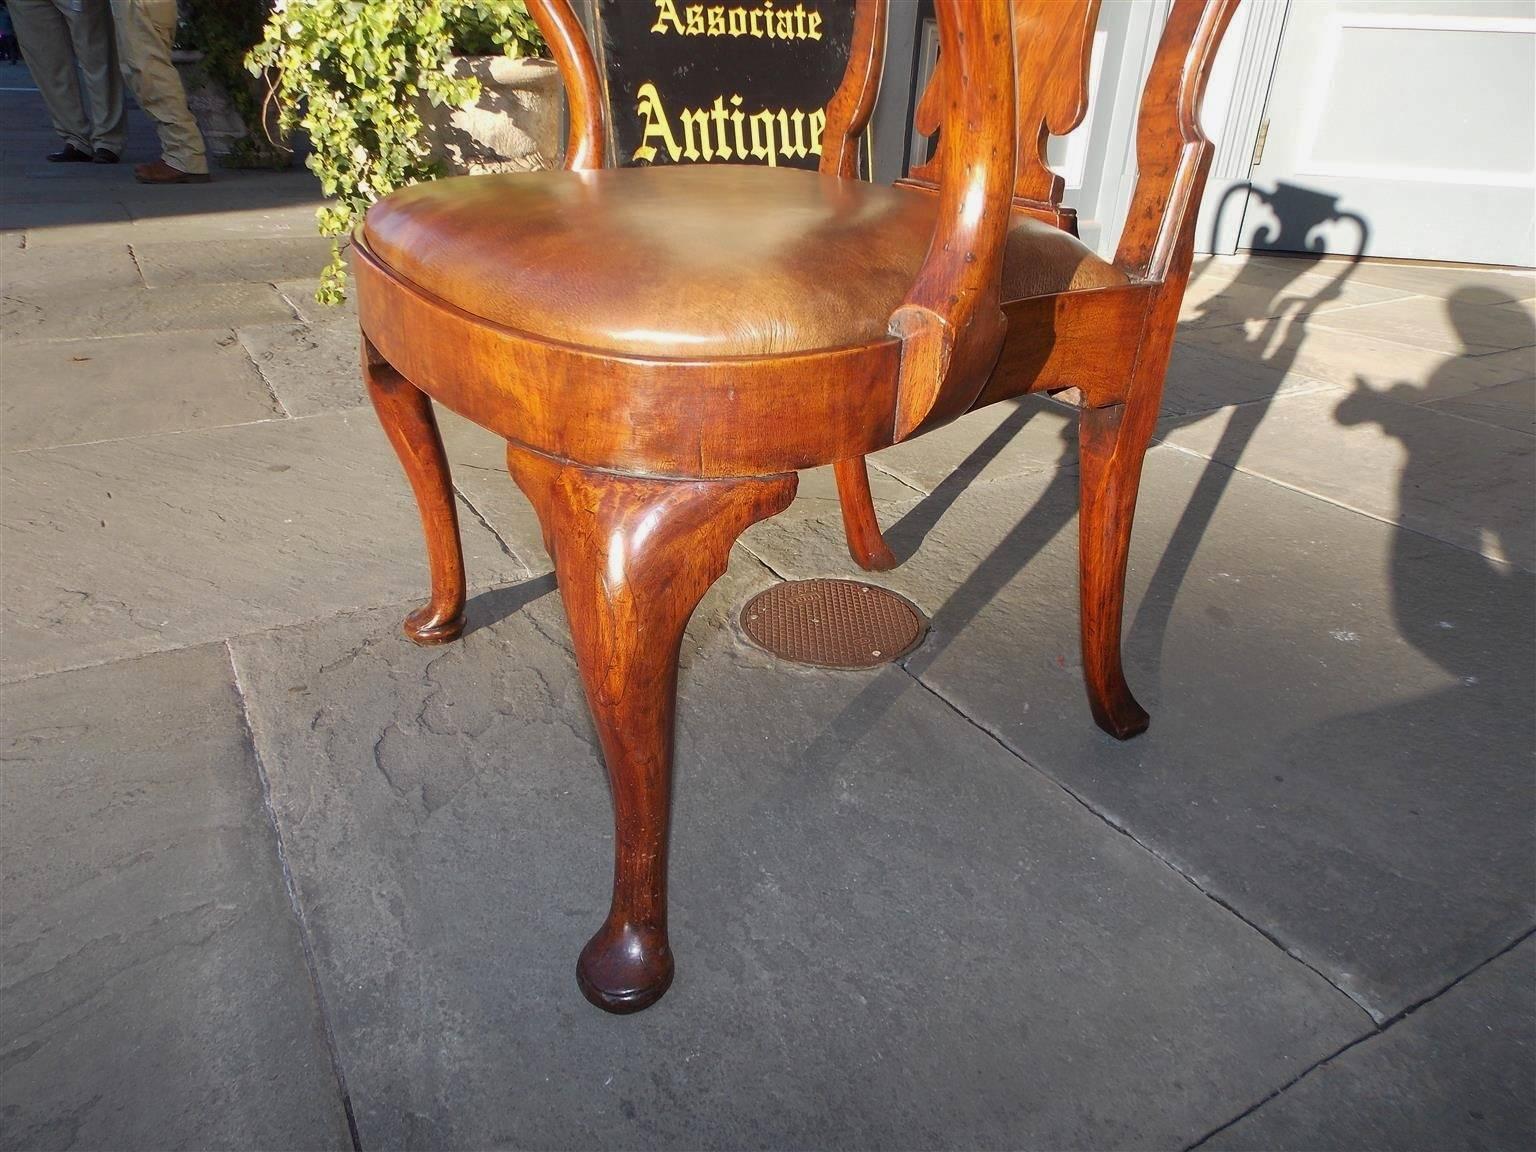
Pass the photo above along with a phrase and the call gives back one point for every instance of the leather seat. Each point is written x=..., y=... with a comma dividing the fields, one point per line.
x=701, y=260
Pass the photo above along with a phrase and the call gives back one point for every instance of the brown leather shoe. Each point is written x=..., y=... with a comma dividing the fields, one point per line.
x=159, y=172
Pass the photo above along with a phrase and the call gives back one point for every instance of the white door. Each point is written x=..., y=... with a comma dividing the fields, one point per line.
x=1408, y=124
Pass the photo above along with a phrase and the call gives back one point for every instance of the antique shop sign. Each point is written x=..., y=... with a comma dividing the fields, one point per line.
x=744, y=82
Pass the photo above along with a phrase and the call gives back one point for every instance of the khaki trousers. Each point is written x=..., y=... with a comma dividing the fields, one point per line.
x=145, y=29
x=65, y=42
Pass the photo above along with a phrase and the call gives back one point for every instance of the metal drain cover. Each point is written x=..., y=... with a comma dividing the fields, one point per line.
x=832, y=623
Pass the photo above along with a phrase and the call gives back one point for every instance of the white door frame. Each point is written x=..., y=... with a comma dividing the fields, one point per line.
x=1238, y=93
x=1231, y=115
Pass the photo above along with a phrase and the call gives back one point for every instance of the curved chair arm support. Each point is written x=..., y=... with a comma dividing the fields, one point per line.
x=849, y=109
x=583, y=88
x=950, y=325
x=1173, y=154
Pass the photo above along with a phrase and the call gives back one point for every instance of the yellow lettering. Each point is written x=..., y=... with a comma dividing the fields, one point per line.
x=725, y=131
x=696, y=134
x=665, y=10
x=649, y=107
x=737, y=20
x=762, y=138
x=794, y=149
x=737, y=120
x=722, y=149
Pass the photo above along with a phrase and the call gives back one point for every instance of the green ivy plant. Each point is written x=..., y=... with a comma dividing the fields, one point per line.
x=352, y=74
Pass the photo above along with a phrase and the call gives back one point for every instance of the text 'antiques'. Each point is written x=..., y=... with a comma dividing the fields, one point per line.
x=739, y=83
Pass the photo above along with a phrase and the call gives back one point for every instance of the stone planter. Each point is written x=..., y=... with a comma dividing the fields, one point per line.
x=217, y=119
x=513, y=127
x=225, y=134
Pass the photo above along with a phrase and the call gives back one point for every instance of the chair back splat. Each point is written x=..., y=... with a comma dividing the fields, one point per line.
x=663, y=347
x=1052, y=50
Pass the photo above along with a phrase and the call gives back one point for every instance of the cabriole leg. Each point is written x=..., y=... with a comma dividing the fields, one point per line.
x=633, y=557
x=1112, y=443
x=406, y=414
x=865, y=544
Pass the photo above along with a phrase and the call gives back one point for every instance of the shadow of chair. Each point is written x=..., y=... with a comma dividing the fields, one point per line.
x=1279, y=327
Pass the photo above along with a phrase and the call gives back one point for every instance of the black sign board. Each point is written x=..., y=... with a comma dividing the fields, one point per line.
x=744, y=81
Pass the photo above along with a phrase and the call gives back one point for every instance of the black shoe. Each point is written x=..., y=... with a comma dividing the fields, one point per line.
x=69, y=154
x=103, y=156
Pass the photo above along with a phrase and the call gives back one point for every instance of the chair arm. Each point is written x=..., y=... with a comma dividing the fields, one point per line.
x=567, y=41
x=1173, y=154
x=950, y=325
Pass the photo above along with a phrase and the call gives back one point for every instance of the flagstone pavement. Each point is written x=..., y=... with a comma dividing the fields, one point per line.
x=275, y=878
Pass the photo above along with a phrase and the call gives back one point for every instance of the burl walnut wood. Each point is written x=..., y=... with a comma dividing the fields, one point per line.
x=654, y=406
x=633, y=557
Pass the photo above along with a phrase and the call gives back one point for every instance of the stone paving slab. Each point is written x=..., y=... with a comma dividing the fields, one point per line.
x=310, y=368
x=75, y=269
x=1455, y=1076
x=58, y=215
x=168, y=264
x=60, y=315
x=889, y=931
x=479, y=462
x=1469, y=323
x=1425, y=279
x=154, y=992
x=1510, y=405
x=1201, y=379
x=168, y=221
x=300, y=295
x=139, y=545
x=1013, y=438
x=1345, y=358
x=1341, y=741
x=79, y=391
x=1468, y=484
x=232, y=192
x=33, y=179
x=1229, y=290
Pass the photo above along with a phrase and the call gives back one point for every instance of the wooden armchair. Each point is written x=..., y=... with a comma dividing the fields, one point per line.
x=663, y=348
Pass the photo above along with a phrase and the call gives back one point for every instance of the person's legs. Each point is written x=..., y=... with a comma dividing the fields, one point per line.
x=145, y=29
x=45, y=43
x=90, y=30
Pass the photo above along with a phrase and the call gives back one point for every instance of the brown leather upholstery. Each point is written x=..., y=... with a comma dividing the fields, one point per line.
x=703, y=260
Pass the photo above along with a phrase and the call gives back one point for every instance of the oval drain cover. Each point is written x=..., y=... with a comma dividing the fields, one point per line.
x=832, y=623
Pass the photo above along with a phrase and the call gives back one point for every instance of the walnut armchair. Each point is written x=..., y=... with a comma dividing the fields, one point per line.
x=663, y=348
